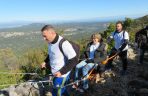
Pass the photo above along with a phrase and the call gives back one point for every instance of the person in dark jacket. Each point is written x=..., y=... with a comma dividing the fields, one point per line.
x=141, y=43
x=94, y=53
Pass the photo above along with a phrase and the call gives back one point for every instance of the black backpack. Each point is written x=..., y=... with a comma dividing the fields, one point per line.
x=74, y=45
x=77, y=50
x=142, y=41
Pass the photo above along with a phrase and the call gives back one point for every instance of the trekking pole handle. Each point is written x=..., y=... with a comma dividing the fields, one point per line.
x=105, y=61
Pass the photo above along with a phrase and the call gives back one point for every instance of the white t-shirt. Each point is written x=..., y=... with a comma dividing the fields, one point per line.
x=56, y=57
x=119, y=39
x=93, y=48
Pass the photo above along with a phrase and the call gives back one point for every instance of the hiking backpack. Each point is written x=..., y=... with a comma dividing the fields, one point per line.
x=77, y=50
x=74, y=45
x=142, y=41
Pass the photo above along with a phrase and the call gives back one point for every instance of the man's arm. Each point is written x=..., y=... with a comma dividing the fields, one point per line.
x=124, y=44
x=47, y=59
x=70, y=53
x=110, y=38
x=125, y=41
x=136, y=37
x=44, y=64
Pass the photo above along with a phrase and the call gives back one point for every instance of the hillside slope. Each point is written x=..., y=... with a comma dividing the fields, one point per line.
x=112, y=83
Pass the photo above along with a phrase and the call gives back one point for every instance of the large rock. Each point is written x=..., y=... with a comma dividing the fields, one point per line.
x=24, y=89
x=131, y=54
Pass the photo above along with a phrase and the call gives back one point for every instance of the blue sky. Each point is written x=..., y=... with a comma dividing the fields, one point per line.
x=42, y=10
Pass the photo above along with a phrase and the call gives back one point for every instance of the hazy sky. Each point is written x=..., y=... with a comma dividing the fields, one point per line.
x=42, y=10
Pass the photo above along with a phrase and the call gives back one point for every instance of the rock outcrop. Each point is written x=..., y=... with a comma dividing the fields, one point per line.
x=26, y=89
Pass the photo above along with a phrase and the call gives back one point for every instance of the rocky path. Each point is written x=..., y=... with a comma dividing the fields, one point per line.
x=135, y=83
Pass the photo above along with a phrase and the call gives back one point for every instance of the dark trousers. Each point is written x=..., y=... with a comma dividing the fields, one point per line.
x=141, y=55
x=123, y=57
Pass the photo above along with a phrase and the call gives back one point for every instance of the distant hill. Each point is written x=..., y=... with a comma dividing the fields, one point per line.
x=142, y=21
x=137, y=25
x=38, y=26
x=24, y=28
x=29, y=36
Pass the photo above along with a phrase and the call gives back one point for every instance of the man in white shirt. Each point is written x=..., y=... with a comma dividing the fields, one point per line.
x=59, y=62
x=121, y=39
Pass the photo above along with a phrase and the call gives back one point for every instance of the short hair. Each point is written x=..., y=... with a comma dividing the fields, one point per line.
x=119, y=22
x=96, y=35
x=46, y=27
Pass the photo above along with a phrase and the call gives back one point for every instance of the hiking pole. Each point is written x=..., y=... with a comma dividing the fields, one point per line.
x=105, y=61
x=18, y=73
x=90, y=73
x=82, y=79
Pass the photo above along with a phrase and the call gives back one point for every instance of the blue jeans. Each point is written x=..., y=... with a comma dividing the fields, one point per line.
x=57, y=82
x=85, y=69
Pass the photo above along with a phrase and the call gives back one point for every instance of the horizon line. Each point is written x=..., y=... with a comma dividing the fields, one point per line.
x=77, y=19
